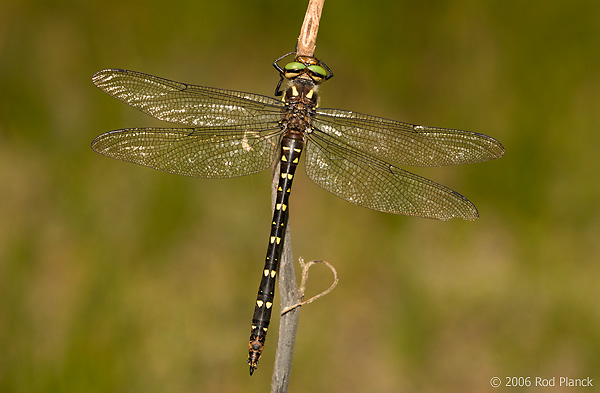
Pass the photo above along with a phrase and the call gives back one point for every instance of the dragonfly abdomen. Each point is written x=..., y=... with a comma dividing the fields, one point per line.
x=291, y=149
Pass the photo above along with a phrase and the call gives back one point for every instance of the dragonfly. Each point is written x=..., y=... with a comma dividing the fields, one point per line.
x=229, y=133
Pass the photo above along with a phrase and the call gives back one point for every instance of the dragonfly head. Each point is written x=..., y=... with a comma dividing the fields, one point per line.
x=306, y=67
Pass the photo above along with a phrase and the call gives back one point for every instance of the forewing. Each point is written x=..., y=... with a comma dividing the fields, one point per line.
x=217, y=152
x=377, y=185
x=405, y=143
x=191, y=105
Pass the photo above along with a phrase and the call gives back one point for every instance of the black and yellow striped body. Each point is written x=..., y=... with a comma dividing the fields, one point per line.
x=300, y=102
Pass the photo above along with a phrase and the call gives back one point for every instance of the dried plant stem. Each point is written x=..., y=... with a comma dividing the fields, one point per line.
x=288, y=290
x=307, y=41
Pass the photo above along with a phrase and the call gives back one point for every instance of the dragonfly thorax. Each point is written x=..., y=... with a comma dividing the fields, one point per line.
x=301, y=91
x=300, y=104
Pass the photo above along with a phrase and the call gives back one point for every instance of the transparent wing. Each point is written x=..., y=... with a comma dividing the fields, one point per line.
x=215, y=152
x=191, y=105
x=377, y=185
x=405, y=143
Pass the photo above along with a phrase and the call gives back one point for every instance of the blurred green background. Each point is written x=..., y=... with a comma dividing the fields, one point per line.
x=119, y=278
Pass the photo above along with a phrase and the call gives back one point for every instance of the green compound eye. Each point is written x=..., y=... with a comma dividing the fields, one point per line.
x=318, y=71
x=294, y=67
